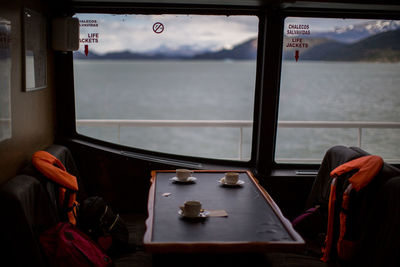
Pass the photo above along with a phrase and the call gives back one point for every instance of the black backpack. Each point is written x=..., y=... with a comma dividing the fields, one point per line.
x=96, y=219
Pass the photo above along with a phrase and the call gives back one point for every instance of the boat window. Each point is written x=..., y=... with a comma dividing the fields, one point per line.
x=339, y=86
x=179, y=84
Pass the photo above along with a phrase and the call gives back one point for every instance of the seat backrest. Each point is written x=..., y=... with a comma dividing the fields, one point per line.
x=26, y=211
x=380, y=242
x=28, y=206
x=364, y=204
x=63, y=154
x=333, y=158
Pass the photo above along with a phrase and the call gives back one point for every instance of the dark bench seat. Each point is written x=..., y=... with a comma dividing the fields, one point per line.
x=29, y=206
x=28, y=203
x=379, y=236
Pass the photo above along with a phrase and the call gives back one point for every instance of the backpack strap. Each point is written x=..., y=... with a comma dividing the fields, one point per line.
x=53, y=169
x=69, y=207
x=345, y=248
x=367, y=166
x=326, y=250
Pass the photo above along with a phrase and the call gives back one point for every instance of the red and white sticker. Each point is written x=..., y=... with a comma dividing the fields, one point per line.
x=158, y=27
x=296, y=42
x=298, y=29
x=88, y=34
x=88, y=23
x=90, y=38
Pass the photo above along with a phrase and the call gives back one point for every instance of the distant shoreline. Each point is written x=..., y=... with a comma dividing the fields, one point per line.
x=233, y=60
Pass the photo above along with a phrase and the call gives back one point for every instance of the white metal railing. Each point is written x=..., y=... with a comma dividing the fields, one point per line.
x=340, y=124
x=172, y=123
x=239, y=124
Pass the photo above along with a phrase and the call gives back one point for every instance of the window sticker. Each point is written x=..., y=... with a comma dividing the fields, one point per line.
x=89, y=35
x=158, y=27
x=297, y=35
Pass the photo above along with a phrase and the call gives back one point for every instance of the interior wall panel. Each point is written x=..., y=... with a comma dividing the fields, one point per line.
x=32, y=113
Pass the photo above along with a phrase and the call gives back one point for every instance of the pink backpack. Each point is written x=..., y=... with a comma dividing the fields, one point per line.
x=66, y=246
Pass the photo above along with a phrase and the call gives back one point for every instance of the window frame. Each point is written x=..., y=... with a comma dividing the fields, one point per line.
x=268, y=75
x=70, y=132
x=305, y=12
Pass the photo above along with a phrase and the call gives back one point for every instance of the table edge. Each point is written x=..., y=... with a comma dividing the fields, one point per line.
x=237, y=246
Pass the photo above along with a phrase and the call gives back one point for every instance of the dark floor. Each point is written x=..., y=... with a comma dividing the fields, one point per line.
x=139, y=258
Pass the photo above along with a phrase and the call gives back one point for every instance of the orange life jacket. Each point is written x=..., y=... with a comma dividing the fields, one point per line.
x=53, y=169
x=368, y=167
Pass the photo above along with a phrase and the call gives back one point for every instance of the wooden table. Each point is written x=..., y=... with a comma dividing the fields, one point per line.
x=254, y=222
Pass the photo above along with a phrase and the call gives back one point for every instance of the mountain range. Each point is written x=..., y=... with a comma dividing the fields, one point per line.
x=244, y=51
x=369, y=41
x=356, y=32
x=382, y=47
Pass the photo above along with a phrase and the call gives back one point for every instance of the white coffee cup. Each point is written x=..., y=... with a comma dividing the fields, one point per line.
x=231, y=177
x=191, y=208
x=183, y=174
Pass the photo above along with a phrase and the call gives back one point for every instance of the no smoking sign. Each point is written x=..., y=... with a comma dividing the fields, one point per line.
x=158, y=27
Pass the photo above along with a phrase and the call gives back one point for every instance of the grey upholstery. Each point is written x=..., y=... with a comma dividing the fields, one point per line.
x=376, y=217
x=26, y=212
x=29, y=206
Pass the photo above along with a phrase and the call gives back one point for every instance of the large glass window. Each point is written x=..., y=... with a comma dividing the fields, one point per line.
x=339, y=86
x=180, y=84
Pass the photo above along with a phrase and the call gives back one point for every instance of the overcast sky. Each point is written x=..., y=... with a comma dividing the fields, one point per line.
x=325, y=24
x=135, y=32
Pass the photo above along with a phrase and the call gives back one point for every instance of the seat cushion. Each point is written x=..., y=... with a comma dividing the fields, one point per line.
x=134, y=255
x=137, y=258
x=293, y=260
x=26, y=212
x=380, y=242
x=64, y=155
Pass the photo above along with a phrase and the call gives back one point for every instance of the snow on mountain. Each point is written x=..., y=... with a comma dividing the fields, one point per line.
x=356, y=32
x=372, y=27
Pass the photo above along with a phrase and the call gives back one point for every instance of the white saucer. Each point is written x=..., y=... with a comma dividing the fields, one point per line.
x=238, y=183
x=203, y=214
x=191, y=179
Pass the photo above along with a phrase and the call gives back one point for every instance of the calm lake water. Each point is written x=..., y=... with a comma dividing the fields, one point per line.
x=218, y=90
